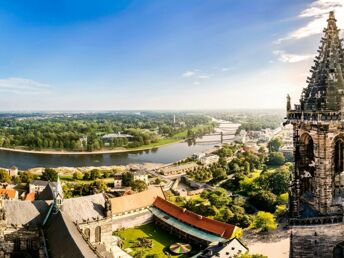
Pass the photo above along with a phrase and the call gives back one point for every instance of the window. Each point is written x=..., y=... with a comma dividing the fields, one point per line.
x=98, y=233
x=87, y=233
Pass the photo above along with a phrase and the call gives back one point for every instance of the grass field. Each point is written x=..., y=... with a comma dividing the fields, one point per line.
x=161, y=240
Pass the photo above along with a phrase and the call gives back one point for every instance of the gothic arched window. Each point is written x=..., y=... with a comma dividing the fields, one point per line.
x=307, y=164
x=338, y=156
x=98, y=233
x=87, y=233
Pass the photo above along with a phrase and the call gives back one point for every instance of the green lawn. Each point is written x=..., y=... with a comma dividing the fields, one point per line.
x=161, y=240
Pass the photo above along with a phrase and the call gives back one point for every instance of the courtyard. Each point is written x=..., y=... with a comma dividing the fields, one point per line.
x=149, y=241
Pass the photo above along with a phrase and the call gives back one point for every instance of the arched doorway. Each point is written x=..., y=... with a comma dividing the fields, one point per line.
x=98, y=233
x=338, y=251
x=307, y=164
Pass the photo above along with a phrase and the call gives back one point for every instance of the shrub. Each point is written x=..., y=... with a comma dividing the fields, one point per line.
x=264, y=221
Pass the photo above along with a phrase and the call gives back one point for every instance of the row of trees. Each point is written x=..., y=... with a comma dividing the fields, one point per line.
x=84, y=131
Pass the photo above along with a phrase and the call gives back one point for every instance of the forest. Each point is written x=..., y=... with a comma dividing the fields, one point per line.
x=84, y=131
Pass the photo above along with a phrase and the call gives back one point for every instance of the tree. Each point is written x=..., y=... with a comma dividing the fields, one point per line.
x=276, y=159
x=274, y=144
x=26, y=177
x=264, y=200
x=78, y=175
x=283, y=198
x=218, y=197
x=247, y=167
x=95, y=174
x=4, y=176
x=127, y=179
x=224, y=214
x=157, y=181
x=219, y=174
x=49, y=174
x=98, y=186
x=279, y=182
x=138, y=186
x=281, y=210
x=264, y=221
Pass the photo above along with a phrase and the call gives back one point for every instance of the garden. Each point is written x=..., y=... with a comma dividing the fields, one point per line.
x=149, y=241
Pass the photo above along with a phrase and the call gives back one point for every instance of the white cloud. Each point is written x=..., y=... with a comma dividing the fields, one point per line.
x=204, y=76
x=290, y=58
x=317, y=14
x=188, y=74
x=23, y=86
x=196, y=74
x=196, y=83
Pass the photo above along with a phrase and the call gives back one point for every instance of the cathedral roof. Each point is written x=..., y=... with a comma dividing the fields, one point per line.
x=326, y=84
x=64, y=239
x=84, y=208
x=19, y=213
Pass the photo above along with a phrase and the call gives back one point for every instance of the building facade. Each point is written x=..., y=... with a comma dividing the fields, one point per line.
x=317, y=189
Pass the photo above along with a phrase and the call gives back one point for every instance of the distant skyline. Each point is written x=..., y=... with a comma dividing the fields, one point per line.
x=158, y=55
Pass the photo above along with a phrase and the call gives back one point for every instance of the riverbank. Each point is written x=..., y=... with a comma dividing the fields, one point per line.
x=69, y=171
x=119, y=150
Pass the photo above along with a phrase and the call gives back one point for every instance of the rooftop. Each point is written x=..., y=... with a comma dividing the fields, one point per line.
x=215, y=227
x=25, y=213
x=42, y=183
x=136, y=201
x=200, y=234
x=85, y=208
x=8, y=193
x=30, y=197
x=64, y=238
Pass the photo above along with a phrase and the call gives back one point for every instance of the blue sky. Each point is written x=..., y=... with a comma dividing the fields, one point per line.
x=192, y=54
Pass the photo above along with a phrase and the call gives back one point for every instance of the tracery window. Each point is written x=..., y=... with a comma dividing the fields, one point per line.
x=98, y=233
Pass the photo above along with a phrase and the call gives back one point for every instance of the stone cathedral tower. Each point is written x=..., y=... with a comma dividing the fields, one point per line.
x=318, y=123
x=317, y=189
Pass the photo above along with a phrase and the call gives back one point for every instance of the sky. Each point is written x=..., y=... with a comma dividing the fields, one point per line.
x=157, y=55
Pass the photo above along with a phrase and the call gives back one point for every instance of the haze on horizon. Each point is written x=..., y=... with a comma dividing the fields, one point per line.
x=158, y=55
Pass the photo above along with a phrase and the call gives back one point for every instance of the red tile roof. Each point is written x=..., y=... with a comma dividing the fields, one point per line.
x=30, y=196
x=8, y=193
x=212, y=226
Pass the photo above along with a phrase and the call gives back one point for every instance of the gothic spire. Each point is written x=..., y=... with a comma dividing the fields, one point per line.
x=326, y=81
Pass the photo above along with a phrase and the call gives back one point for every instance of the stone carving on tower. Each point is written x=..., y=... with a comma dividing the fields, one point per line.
x=317, y=188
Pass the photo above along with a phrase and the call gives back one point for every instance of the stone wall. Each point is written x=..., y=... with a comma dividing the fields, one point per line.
x=132, y=220
x=105, y=229
x=315, y=241
x=20, y=241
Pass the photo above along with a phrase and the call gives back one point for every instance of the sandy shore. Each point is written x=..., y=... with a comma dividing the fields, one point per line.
x=52, y=152
x=119, y=168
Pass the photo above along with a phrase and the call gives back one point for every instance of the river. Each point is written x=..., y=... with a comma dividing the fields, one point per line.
x=164, y=154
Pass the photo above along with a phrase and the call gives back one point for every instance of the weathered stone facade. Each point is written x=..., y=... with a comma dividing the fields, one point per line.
x=316, y=241
x=317, y=190
x=20, y=241
x=99, y=231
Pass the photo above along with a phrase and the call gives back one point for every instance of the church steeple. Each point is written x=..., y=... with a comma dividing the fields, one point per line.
x=325, y=83
x=318, y=133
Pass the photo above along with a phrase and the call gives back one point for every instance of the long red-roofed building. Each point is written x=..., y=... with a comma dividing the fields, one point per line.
x=190, y=225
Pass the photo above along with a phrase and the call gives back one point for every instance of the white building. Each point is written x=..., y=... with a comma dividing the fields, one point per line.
x=223, y=250
x=210, y=159
x=197, y=156
x=13, y=171
x=117, y=180
x=37, y=186
x=141, y=175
